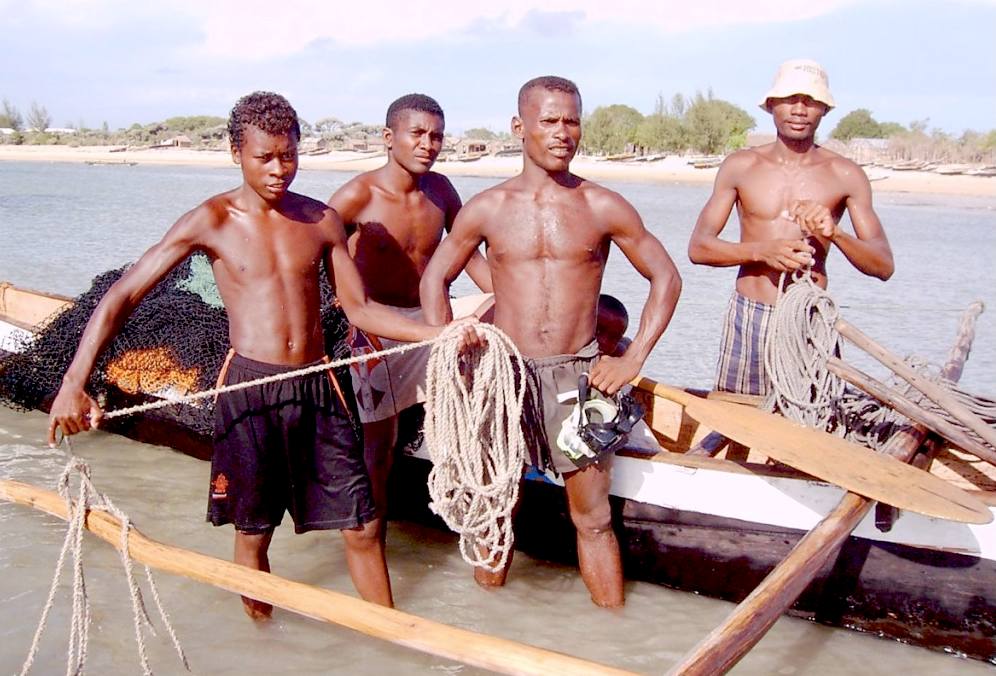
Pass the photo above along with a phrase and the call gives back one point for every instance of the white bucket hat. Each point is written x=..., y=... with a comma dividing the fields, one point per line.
x=800, y=76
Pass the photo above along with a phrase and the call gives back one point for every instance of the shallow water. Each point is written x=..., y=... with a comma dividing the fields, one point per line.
x=65, y=223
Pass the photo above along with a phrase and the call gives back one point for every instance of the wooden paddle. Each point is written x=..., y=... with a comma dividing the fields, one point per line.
x=753, y=617
x=829, y=458
x=938, y=394
x=481, y=650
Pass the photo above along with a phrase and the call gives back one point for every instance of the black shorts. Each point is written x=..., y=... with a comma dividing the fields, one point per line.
x=287, y=445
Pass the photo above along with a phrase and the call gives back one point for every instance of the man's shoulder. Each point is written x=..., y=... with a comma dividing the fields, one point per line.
x=435, y=179
x=438, y=184
x=747, y=157
x=597, y=195
x=496, y=194
x=835, y=160
x=214, y=211
x=488, y=204
x=304, y=208
x=356, y=192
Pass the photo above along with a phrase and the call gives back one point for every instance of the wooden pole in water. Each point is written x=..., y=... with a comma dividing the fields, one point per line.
x=480, y=650
x=726, y=645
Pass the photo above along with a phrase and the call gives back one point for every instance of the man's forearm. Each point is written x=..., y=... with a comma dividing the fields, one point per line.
x=434, y=297
x=721, y=253
x=656, y=316
x=478, y=270
x=382, y=321
x=871, y=257
x=110, y=314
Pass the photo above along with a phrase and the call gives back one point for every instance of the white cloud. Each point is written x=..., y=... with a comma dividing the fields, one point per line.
x=248, y=29
x=251, y=30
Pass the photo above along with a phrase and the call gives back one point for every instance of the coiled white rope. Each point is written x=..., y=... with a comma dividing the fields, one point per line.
x=473, y=432
x=473, y=417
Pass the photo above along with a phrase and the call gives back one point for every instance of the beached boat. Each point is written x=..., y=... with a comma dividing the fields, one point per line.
x=983, y=171
x=618, y=157
x=718, y=524
x=707, y=162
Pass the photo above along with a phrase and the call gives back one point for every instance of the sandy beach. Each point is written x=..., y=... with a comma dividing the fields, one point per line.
x=669, y=170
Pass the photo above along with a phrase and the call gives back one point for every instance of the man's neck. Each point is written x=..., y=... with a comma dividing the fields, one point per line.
x=539, y=177
x=254, y=202
x=398, y=179
x=794, y=151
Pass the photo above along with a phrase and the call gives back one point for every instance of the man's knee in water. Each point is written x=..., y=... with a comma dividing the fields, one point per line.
x=594, y=522
x=364, y=536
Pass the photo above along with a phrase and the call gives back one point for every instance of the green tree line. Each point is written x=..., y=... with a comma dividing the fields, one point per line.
x=702, y=124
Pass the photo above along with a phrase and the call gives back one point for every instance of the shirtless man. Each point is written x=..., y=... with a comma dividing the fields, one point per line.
x=547, y=234
x=266, y=245
x=395, y=217
x=790, y=196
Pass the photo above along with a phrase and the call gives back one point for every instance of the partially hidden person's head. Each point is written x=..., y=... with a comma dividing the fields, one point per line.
x=414, y=131
x=264, y=131
x=799, y=98
x=611, y=322
x=549, y=121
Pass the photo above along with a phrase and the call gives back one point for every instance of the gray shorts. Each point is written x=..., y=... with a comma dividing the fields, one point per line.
x=542, y=413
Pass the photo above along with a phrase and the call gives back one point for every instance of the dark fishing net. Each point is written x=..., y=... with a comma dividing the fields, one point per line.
x=174, y=343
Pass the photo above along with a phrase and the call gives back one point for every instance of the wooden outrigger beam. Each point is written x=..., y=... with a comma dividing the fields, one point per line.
x=480, y=650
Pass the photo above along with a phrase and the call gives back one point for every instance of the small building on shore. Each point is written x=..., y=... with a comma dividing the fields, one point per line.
x=365, y=144
x=180, y=141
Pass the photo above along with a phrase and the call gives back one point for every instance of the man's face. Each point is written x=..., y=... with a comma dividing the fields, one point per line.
x=549, y=125
x=797, y=117
x=269, y=163
x=415, y=140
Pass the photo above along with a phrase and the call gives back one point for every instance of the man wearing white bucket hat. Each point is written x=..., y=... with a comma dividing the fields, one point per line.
x=790, y=196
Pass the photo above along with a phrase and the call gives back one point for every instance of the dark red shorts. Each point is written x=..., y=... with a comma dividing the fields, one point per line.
x=287, y=445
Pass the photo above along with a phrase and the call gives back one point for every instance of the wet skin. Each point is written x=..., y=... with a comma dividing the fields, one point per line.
x=548, y=234
x=266, y=245
x=395, y=217
x=790, y=196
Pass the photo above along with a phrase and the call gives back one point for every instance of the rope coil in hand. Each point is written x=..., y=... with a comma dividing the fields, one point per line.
x=472, y=430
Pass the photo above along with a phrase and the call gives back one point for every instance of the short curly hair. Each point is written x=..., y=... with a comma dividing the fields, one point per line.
x=550, y=83
x=266, y=111
x=417, y=102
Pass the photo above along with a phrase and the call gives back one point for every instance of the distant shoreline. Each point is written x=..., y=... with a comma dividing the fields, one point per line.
x=668, y=170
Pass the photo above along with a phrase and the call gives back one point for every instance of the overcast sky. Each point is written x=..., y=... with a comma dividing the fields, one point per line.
x=125, y=61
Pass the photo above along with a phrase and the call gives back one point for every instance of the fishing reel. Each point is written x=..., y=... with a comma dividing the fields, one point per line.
x=598, y=425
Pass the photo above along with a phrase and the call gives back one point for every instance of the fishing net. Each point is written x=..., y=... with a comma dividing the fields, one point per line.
x=173, y=344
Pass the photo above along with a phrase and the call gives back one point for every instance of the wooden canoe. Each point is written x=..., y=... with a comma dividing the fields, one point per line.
x=718, y=525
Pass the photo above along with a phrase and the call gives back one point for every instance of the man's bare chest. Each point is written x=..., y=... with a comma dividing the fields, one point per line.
x=772, y=195
x=276, y=252
x=561, y=236
x=412, y=225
